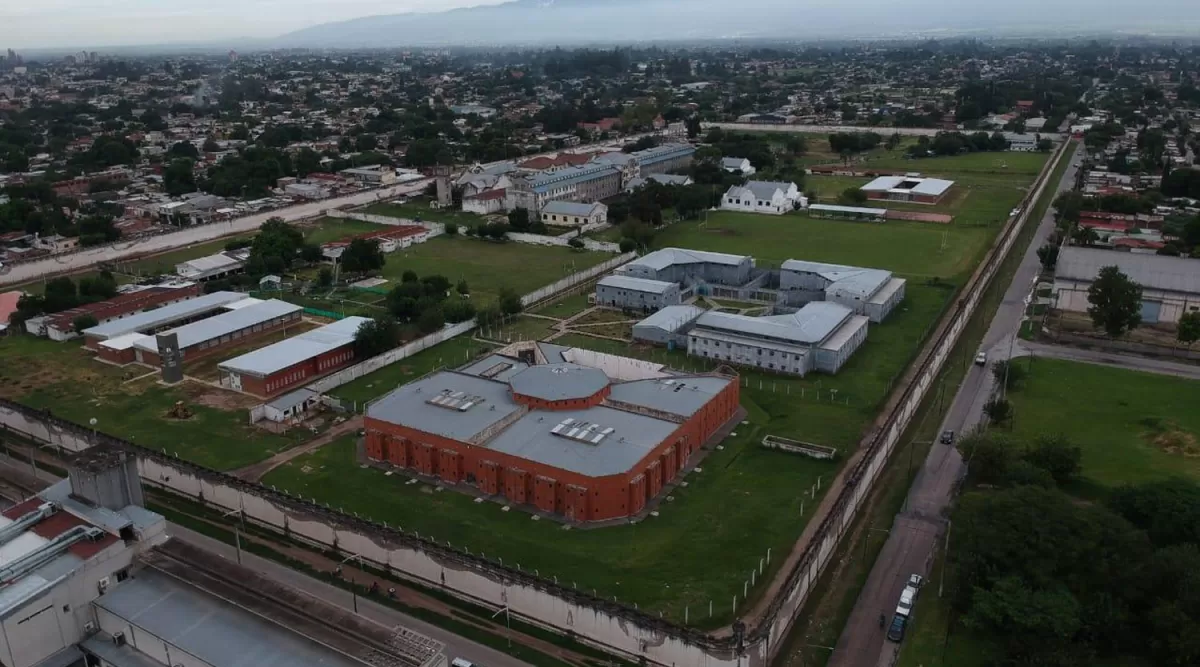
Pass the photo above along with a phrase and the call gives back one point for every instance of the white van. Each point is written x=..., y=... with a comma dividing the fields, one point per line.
x=461, y=662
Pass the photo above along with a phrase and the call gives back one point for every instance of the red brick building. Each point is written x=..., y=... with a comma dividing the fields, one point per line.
x=559, y=436
x=61, y=326
x=219, y=333
x=277, y=368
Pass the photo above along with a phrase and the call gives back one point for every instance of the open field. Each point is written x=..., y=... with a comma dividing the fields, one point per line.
x=914, y=249
x=418, y=209
x=566, y=306
x=487, y=266
x=453, y=353
x=327, y=230
x=63, y=378
x=1007, y=162
x=1133, y=427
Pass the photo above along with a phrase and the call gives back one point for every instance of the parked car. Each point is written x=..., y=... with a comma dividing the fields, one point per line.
x=896, y=629
x=981, y=359
x=947, y=438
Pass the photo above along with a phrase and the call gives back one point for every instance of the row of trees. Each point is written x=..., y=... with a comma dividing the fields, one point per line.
x=61, y=294
x=1052, y=581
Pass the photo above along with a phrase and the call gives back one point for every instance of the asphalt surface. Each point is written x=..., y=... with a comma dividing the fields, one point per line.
x=23, y=273
x=1113, y=360
x=919, y=528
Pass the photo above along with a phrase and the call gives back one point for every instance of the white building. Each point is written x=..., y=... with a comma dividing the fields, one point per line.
x=820, y=336
x=871, y=292
x=370, y=176
x=1170, y=285
x=738, y=165
x=571, y=214
x=764, y=197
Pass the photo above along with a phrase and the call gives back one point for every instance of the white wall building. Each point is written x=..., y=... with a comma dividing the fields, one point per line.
x=764, y=197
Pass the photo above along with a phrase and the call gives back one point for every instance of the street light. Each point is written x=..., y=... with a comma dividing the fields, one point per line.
x=507, y=619
x=353, y=590
x=237, y=535
x=92, y=422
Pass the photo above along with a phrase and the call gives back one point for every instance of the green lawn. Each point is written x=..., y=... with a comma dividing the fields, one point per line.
x=487, y=266
x=418, y=209
x=914, y=249
x=63, y=378
x=566, y=306
x=519, y=328
x=1123, y=420
x=328, y=230
x=1007, y=162
x=452, y=353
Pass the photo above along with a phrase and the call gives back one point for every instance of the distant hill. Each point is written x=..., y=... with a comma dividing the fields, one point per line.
x=540, y=22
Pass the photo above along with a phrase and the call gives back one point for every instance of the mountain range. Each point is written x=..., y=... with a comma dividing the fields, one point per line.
x=542, y=22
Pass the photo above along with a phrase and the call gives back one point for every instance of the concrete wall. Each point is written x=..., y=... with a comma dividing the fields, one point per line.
x=539, y=600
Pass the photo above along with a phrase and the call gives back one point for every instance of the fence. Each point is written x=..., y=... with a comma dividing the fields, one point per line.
x=563, y=242
x=537, y=598
x=576, y=279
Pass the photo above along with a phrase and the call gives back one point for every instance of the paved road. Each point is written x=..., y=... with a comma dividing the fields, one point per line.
x=1101, y=358
x=916, y=531
x=23, y=273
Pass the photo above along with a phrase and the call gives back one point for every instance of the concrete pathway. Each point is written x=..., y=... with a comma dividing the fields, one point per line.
x=256, y=471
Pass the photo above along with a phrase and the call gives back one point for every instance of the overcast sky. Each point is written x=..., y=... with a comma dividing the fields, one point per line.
x=81, y=23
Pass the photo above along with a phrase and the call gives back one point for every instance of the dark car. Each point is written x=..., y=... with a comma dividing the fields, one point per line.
x=947, y=438
x=896, y=629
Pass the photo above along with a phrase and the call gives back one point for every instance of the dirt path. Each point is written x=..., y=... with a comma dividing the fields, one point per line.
x=255, y=472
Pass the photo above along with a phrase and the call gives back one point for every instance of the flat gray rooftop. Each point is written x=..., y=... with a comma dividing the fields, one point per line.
x=224, y=324
x=559, y=382
x=409, y=405
x=810, y=325
x=211, y=629
x=673, y=318
x=632, y=284
x=683, y=395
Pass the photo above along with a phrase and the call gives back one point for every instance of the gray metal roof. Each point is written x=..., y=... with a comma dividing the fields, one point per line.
x=409, y=405
x=572, y=176
x=570, y=208
x=559, y=382
x=159, y=317
x=733, y=162
x=635, y=284
x=810, y=325
x=273, y=358
x=683, y=396
x=553, y=353
x=292, y=399
x=764, y=190
x=672, y=318
x=924, y=186
x=211, y=629
x=225, y=323
x=661, y=259
x=860, y=210
x=633, y=437
x=663, y=153
x=852, y=281
x=1157, y=272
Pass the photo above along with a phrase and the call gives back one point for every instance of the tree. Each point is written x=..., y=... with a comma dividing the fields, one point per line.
x=374, y=337
x=311, y=253
x=1056, y=455
x=179, y=177
x=852, y=197
x=458, y=310
x=362, y=255
x=307, y=162
x=1188, y=331
x=59, y=295
x=325, y=277
x=510, y=302
x=451, y=229
x=627, y=245
x=431, y=320
x=98, y=288
x=409, y=276
x=1008, y=374
x=463, y=288
x=693, y=126
x=1048, y=254
x=998, y=410
x=1116, y=302
x=436, y=286
x=274, y=248
x=84, y=322
x=184, y=149
x=518, y=219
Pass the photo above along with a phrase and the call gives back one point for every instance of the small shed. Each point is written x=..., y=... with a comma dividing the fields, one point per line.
x=270, y=282
x=292, y=405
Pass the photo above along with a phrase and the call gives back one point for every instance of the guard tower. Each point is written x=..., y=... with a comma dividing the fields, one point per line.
x=172, y=364
x=445, y=197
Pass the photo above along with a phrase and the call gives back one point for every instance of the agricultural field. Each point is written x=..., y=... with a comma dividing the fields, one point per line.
x=488, y=266
x=130, y=403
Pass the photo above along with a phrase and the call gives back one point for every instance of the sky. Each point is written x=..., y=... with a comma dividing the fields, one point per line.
x=97, y=23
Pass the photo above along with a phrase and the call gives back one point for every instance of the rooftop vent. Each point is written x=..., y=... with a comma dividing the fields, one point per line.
x=455, y=400
x=581, y=431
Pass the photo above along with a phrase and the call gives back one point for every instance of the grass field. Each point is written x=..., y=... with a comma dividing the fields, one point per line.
x=487, y=267
x=913, y=249
x=1008, y=162
x=418, y=209
x=1126, y=422
x=327, y=230
x=566, y=306
x=453, y=353
x=63, y=377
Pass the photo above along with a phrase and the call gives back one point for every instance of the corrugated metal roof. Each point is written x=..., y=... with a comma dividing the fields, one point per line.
x=572, y=176
x=810, y=325
x=663, y=153
x=211, y=629
x=495, y=367
x=661, y=259
x=570, y=208
x=153, y=319
x=273, y=358
x=1158, y=272
x=225, y=323
x=635, y=284
x=859, y=210
x=672, y=318
x=683, y=396
x=764, y=190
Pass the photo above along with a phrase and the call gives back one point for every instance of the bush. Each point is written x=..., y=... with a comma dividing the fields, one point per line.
x=451, y=229
x=628, y=245
x=576, y=243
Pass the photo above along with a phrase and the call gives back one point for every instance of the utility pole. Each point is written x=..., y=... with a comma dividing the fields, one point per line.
x=237, y=535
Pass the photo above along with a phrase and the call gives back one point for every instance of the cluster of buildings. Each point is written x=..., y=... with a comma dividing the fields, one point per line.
x=568, y=433
x=819, y=312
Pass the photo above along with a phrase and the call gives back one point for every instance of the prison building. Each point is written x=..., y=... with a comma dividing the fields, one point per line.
x=585, y=184
x=820, y=336
x=640, y=294
x=113, y=340
x=911, y=188
x=676, y=265
x=664, y=159
x=559, y=438
x=871, y=292
x=61, y=326
x=221, y=332
x=212, y=267
x=277, y=368
x=571, y=214
x=668, y=326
